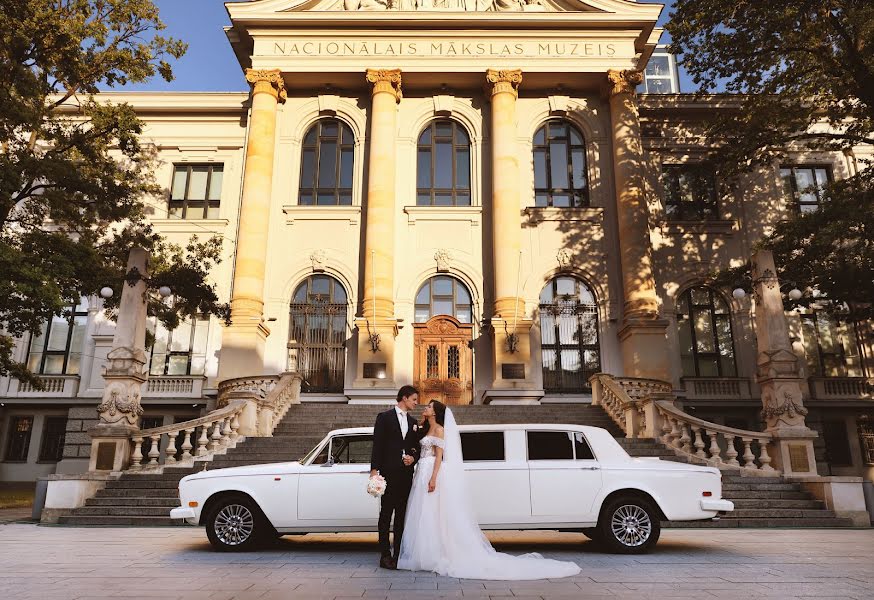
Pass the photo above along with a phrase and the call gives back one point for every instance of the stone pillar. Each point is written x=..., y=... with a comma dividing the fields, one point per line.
x=377, y=323
x=125, y=372
x=779, y=374
x=242, y=351
x=512, y=357
x=643, y=335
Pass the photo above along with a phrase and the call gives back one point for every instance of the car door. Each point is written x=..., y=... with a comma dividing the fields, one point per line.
x=565, y=477
x=496, y=479
x=332, y=488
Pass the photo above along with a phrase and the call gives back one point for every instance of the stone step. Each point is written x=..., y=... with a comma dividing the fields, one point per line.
x=122, y=511
x=764, y=487
x=127, y=521
x=784, y=513
x=167, y=502
x=761, y=503
x=762, y=523
x=131, y=483
x=727, y=478
x=123, y=492
x=765, y=495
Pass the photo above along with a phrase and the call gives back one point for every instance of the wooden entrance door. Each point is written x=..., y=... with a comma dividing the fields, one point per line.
x=443, y=363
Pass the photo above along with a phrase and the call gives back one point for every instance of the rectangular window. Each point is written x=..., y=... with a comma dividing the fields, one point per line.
x=831, y=346
x=51, y=448
x=550, y=445
x=479, y=446
x=56, y=349
x=181, y=351
x=582, y=450
x=18, y=441
x=352, y=449
x=196, y=191
x=837, y=443
x=690, y=192
x=803, y=185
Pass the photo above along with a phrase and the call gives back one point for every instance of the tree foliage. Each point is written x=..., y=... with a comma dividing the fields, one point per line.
x=73, y=171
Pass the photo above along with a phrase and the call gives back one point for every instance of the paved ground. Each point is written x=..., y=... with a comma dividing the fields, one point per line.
x=47, y=563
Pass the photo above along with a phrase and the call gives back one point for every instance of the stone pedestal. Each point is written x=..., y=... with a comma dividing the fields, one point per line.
x=243, y=341
x=643, y=336
x=513, y=382
x=374, y=376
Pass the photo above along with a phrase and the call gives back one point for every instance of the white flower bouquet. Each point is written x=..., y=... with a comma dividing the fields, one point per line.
x=376, y=486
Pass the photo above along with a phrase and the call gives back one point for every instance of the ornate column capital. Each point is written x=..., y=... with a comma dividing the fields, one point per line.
x=385, y=80
x=624, y=82
x=504, y=80
x=269, y=81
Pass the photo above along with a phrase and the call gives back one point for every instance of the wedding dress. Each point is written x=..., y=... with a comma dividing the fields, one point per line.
x=441, y=533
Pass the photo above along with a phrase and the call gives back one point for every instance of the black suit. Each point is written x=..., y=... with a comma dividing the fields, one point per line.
x=388, y=446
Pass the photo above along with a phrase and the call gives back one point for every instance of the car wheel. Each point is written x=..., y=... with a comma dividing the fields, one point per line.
x=593, y=533
x=629, y=525
x=236, y=524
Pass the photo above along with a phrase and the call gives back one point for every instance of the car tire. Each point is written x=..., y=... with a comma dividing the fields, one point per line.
x=236, y=524
x=629, y=525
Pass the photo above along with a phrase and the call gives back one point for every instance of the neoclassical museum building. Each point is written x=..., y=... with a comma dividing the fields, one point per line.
x=493, y=200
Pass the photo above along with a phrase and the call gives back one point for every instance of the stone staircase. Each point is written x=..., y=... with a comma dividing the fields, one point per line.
x=146, y=499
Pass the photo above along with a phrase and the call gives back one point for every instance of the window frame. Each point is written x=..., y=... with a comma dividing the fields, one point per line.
x=190, y=353
x=822, y=355
x=571, y=438
x=503, y=436
x=713, y=297
x=453, y=297
x=43, y=450
x=10, y=436
x=795, y=193
x=678, y=210
x=45, y=353
x=579, y=197
x=431, y=147
x=311, y=189
x=185, y=202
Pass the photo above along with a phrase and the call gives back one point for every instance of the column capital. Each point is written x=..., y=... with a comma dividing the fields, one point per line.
x=269, y=81
x=504, y=80
x=385, y=80
x=623, y=82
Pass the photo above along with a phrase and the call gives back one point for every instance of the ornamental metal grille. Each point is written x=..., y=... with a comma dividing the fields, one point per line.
x=433, y=362
x=569, y=336
x=317, y=334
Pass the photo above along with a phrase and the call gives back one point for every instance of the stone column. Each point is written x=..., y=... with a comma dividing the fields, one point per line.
x=377, y=323
x=512, y=357
x=643, y=335
x=125, y=372
x=242, y=351
x=779, y=374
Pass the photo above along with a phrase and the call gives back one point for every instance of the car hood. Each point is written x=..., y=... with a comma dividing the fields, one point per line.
x=264, y=469
x=658, y=464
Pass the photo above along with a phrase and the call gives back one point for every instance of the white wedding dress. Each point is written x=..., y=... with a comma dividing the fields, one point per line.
x=441, y=533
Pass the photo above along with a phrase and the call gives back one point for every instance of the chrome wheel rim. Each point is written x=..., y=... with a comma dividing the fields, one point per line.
x=631, y=525
x=234, y=524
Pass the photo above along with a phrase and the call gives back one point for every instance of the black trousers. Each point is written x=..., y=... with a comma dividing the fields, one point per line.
x=394, y=502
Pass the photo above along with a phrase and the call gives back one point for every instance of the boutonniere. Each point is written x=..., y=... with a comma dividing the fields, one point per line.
x=415, y=428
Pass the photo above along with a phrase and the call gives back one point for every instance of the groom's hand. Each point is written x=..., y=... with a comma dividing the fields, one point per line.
x=408, y=460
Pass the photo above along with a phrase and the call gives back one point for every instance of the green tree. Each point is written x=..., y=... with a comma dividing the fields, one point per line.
x=793, y=67
x=73, y=172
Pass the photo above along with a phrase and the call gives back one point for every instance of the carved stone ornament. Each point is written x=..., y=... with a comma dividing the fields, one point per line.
x=564, y=258
x=443, y=258
x=318, y=258
x=444, y=5
x=267, y=81
x=624, y=82
x=504, y=80
x=121, y=404
x=386, y=80
x=783, y=407
x=768, y=279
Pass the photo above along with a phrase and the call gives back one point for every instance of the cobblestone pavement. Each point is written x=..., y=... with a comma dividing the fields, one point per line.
x=46, y=563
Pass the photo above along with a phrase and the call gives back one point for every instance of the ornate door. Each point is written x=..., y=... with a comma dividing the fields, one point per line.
x=443, y=364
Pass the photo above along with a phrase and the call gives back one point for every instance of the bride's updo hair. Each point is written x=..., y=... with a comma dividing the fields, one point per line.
x=439, y=414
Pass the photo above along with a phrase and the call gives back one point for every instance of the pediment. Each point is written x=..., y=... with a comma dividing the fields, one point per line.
x=263, y=8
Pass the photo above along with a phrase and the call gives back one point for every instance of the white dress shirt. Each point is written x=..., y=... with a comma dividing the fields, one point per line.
x=402, y=420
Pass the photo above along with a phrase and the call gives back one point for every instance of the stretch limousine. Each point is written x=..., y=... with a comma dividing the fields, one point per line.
x=562, y=477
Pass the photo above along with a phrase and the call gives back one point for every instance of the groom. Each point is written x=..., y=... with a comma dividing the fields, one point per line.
x=395, y=446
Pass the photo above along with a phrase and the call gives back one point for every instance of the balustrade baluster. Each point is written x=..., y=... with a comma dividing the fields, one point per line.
x=748, y=456
x=730, y=452
x=699, y=442
x=155, y=452
x=226, y=431
x=764, y=457
x=641, y=422
x=137, y=456
x=675, y=432
x=170, y=456
x=235, y=426
x=186, y=444
x=203, y=440
x=216, y=436
x=685, y=438
x=714, y=447
x=666, y=429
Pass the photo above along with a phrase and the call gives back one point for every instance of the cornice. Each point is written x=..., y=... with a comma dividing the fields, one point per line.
x=174, y=102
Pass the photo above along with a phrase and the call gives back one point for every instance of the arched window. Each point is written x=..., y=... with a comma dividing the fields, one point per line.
x=317, y=334
x=443, y=295
x=704, y=322
x=569, y=335
x=443, y=165
x=560, y=174
x=327, y=164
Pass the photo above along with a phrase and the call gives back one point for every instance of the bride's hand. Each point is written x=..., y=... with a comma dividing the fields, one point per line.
x=432, y=485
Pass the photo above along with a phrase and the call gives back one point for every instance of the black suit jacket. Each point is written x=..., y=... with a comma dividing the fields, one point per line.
x=388, y=443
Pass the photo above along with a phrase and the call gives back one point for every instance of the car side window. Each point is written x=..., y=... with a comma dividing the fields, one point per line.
x=479, y=446
x=351, y=449
x=550, y=445
x=581, y=447
x=322, y=457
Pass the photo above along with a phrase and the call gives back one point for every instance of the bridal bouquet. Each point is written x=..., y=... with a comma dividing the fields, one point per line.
x=376, y=486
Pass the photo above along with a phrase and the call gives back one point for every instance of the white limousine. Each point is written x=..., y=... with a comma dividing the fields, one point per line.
x=563, y=477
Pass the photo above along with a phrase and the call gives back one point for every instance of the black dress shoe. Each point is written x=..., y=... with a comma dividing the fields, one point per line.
x=387, y=562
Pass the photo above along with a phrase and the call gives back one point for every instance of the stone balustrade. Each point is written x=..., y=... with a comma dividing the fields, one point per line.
x=268, y=398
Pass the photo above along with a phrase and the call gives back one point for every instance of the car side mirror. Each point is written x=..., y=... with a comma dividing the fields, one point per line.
x=330, y=462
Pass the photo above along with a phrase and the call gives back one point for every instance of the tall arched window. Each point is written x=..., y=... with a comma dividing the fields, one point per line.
x=443, y=165
x=327, y=164
x=317, y=334
x=704, y=322
x=569, y=335
x=560, y=174
x=443, y=295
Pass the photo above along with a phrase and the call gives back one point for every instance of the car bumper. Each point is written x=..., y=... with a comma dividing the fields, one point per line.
x=184, y=513
x=717, y=505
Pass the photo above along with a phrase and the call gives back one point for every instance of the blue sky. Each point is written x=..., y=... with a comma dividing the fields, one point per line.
x=210, y=65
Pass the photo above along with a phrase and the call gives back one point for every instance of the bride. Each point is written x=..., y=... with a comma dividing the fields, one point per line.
x=441, y=532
